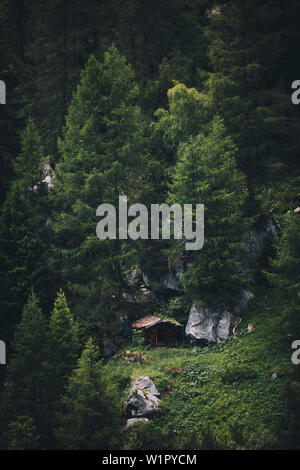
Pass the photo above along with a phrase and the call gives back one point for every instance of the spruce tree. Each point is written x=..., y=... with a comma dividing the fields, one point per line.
x=63, y=346
x=26, y=390
x=29, y=163
x=24, y=237
x=90, y=415
x=102, y=156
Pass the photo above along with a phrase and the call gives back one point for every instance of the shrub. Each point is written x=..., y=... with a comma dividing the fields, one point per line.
x=138, y=339
x=153, y=435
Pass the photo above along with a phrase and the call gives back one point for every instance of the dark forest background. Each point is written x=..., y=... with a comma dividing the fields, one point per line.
x=165, y=101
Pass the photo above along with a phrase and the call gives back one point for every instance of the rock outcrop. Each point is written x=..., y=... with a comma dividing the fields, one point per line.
x=208, y=325
x=48, y=176
x=242, y=300
x=124, y=328
x=254, y=245
x=167, y=279
x=143, y=399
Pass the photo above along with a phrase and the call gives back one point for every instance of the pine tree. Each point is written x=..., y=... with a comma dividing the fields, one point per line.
x=26, y=392
x=90, y=414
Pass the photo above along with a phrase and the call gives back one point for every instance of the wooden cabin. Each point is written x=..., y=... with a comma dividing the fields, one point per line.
x=160, y=331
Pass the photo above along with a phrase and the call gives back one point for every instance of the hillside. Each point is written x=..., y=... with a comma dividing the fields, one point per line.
x=219, y=397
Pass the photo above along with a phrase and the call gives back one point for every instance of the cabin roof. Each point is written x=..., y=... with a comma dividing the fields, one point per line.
x=149, y=321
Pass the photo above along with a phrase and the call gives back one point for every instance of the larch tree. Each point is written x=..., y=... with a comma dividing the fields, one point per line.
x=206, y=173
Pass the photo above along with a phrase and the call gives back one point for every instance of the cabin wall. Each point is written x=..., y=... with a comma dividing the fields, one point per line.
x=162, y=335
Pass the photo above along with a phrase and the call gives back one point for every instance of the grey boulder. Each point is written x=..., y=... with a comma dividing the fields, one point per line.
x=208, y=325
x=143, y=399
x=132, y=421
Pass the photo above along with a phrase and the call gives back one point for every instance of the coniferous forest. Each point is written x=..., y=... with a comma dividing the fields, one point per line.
x=123, y=343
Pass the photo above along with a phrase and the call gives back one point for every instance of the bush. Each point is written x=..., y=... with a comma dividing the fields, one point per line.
x=123, y=380
x=178, y=308
x=148, y=435
x=138, y=339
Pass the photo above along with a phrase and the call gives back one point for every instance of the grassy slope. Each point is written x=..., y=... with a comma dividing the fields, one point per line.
x=217, y=397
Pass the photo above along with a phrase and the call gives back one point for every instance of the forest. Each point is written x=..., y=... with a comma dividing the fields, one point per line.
x=165, y=102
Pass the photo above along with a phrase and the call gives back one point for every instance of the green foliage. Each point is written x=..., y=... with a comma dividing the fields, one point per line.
x=153, y=436
x=206, y=173
x=63, y=342
x=178, y=308
x=24, y=238
x=189, y=114
x=236, y=373
x=12, y=43
x=43, y=358
x=63, y=348
x=249, y=86
x=138, y=338
x=27, y=392
x=102, y=152
x=57, y=40
x=286, y=271
x=26, y=368
x=287, y=262
x=22, y=434
x=294, y=395
x=29, y=163
x=90, y=416
x=201, y=113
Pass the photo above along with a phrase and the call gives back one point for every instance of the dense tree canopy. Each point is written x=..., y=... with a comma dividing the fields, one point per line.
x=178, y=102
